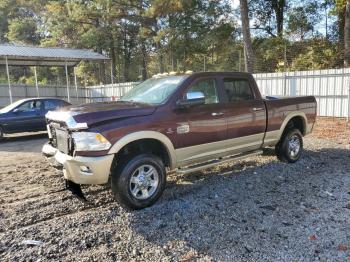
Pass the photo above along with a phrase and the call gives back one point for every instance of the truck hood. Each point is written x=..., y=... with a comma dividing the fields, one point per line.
x=94, y=113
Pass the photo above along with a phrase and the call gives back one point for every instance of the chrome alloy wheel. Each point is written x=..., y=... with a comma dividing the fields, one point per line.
x=144, y=182
x=294, y=145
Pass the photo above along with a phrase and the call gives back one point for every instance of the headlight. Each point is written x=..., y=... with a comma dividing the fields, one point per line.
x=88, y=141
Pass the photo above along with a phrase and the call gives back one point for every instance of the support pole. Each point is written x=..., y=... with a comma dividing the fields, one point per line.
x=285, y=83
x=204, y=65
x=36, y=81
x=8, y=79
x=67, y=81
x=112, y=82
x=76, y=83
x=348, y=101
x=245, y=60
x=239, y=61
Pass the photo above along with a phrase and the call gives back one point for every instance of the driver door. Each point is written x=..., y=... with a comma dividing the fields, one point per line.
x=26, y=117
x=201, y=129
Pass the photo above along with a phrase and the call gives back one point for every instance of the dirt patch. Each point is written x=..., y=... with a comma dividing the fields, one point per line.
x=337, y=129
x=257, y=209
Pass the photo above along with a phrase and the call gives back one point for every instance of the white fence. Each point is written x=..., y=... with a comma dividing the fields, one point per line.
x=110, y=92
x=77, y=96
x=330, y=87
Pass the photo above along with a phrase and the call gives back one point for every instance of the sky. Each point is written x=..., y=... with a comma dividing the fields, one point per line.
x=235, y=3
x=320, y=27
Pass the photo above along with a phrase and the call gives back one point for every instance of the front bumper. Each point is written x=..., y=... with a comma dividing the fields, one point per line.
x=79, y=169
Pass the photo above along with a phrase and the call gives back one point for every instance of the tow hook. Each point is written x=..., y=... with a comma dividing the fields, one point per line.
x=75, y=189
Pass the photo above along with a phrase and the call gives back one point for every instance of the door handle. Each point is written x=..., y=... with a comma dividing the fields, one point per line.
x=257, y=109
x=217, y=114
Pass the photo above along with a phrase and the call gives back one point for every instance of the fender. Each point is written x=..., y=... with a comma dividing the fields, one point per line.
x=146, y=135
x=289, y=117
x=273, y=137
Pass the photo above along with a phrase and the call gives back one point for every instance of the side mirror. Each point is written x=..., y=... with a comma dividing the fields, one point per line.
x=16, y=111
x=192, y=99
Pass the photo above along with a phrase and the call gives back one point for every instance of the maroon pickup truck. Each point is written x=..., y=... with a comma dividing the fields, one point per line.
x=174, y=123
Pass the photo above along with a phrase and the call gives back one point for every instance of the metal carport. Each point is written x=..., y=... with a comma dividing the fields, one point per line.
x=17, y=55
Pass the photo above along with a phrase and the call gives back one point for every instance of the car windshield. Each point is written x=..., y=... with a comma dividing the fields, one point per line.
x=154, y=90
x=10, y=107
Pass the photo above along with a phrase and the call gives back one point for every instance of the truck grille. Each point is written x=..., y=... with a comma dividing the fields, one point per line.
x=60, y=138
x=52, y=135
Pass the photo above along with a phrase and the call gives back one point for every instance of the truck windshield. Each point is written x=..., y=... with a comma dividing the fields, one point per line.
x=154, y=90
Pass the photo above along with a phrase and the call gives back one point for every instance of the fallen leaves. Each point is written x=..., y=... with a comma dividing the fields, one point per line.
x=342, y=248
x=312, y=237
x=191, y=255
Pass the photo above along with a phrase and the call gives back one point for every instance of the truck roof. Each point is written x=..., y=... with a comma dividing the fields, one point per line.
x=203, y=74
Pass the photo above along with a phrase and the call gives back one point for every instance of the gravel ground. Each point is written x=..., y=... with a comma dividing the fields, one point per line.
x=257, y=209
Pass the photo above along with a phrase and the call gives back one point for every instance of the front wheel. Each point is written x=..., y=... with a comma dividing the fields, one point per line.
x=290, y=148
x=137, y=182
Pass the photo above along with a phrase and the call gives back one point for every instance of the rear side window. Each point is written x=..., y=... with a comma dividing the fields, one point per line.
x=51, y=104
x=238, y=90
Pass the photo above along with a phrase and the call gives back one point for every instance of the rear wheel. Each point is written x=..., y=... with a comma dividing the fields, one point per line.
x=137, y=182
x=290, y=148
x=1, y=133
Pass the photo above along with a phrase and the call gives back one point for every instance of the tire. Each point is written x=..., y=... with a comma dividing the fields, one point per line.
x=2, y=134
x=129, y=181
x=290, y=147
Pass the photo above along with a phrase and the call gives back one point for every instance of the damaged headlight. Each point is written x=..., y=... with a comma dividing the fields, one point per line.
x=88, y=141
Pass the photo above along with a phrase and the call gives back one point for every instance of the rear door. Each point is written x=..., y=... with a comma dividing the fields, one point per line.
x=245, y=114
x=201, y=130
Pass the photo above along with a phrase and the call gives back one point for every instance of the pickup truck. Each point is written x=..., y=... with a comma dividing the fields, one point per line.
x=173, y=123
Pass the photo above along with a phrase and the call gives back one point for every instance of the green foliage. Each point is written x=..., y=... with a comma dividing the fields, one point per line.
x=318, y=54
x=145, y=37
x=302, y=20
x=23, y=31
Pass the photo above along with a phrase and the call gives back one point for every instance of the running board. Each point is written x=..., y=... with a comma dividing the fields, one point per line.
x=205, y=165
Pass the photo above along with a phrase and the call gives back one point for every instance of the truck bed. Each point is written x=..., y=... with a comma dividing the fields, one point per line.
x=280, y=108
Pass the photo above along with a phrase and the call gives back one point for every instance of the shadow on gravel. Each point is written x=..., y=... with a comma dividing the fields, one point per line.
x=261, y=209
x=23, y=137
x=26, y=142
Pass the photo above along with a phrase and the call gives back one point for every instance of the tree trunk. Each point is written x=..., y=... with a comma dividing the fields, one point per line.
x=347, y=35
x=113, y=57
x=160, y=57
x=278, y=6
x=144, y=60
x=341, y=27
x=127, y=57
x=246, y=36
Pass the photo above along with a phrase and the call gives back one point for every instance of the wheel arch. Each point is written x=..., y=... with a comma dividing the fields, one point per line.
x=299, y=121
x=147, y=135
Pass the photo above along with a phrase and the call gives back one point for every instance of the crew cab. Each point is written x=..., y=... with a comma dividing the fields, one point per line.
x=174, y=123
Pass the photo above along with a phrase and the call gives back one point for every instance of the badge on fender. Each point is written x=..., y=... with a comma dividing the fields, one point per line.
x=183, y=129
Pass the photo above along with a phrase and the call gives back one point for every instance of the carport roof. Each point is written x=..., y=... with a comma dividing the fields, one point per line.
x=45, y=56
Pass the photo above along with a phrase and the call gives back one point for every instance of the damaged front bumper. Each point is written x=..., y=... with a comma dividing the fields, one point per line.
x=80, y=169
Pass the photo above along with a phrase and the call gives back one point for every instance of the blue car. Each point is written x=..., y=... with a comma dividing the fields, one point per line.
x=27, y=115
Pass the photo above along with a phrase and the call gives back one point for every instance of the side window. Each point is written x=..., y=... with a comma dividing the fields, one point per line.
x=238, y=90
x=208, y=88
x=51, y=104
x=30, y=106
